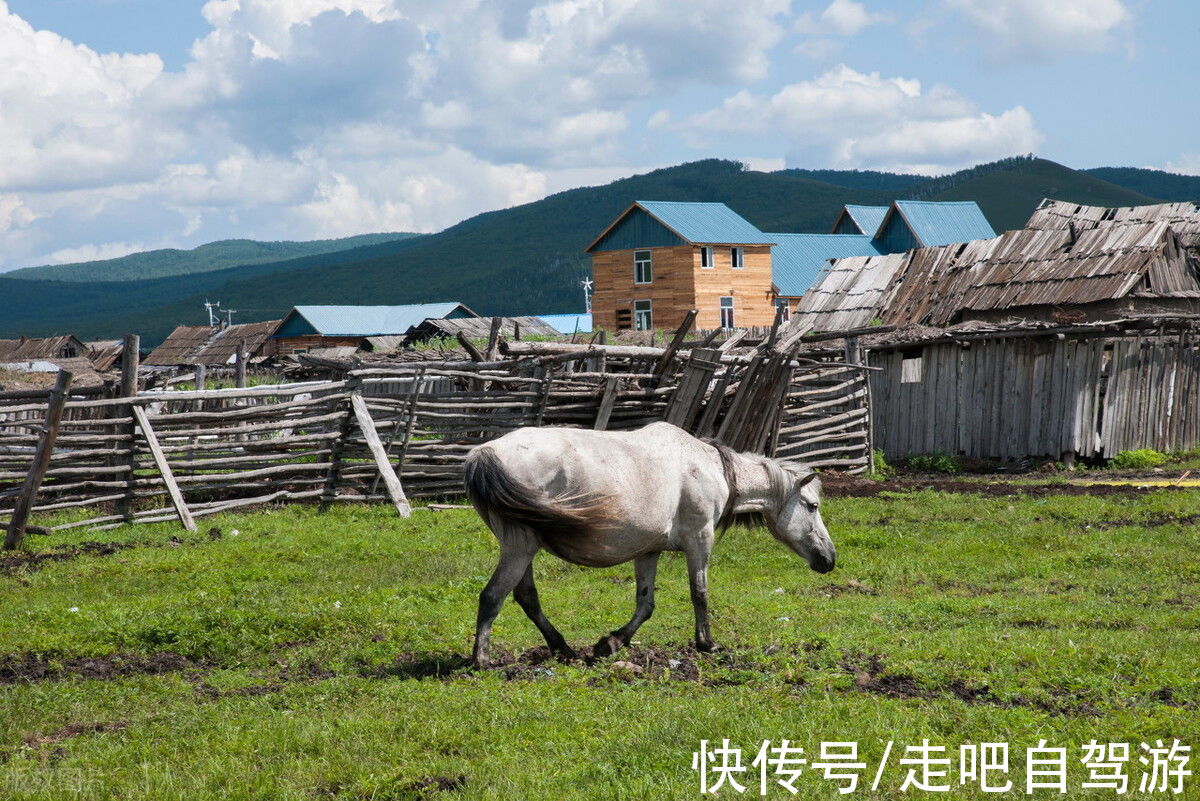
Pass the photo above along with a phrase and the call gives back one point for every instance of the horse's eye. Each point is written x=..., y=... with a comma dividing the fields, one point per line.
x=812, y=507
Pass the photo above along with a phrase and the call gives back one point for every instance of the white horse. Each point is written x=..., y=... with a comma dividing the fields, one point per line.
x=602, y=498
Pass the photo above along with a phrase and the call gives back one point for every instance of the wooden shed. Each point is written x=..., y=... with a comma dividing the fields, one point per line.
x=64, y=346
x=479, y=328
x=1111, y=263
x=307, y=327
x=1038, y=391
x=213, y=346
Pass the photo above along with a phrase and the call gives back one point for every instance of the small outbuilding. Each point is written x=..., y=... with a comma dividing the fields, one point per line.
x=305, y=328
x=213, y=346
x=479, y=328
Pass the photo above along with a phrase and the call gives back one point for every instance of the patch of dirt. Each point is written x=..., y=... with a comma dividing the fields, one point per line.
x=1151, y=522
x=304, y=672
x=1166, y=697
x=842, y=486
x=438, y=665
x=21, y=668
x=15, y=562
x=434, y=784
x=871, y=675
x=851, y=586
x=72, y=730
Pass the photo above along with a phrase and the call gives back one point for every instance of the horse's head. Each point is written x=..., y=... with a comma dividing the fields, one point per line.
x=795, y=519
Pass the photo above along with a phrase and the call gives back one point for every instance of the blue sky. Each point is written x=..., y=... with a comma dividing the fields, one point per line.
x=132, y=124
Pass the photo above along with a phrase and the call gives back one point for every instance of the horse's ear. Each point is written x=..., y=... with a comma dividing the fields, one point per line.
x=806, y=479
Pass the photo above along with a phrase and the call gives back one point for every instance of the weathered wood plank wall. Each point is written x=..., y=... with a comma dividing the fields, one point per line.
x=1018, y=397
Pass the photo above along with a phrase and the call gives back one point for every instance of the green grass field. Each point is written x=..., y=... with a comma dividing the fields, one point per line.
x=315, y=656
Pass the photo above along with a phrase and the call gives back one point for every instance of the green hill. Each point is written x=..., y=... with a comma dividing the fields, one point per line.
x=861, y=179
x=523, y=260
x=1008, y=196
x=205, y=258
x=1155, y=183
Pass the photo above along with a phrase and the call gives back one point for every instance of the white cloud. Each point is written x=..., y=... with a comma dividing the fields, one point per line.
x=108, y=250
x=829, y=30
x=67, y=111
x=299, y=118
x=820, y=49
x=1044, y=30
x=850, y=119
x=840, y=18
x=765, y=164
x=1186, y=164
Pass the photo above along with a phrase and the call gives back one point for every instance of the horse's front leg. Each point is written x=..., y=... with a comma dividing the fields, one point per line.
x=645, y=568
x=697, y=564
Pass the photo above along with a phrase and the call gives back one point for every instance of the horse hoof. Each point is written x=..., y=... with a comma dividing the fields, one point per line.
x=607, y=646
x=707, y=647
x=566, y=654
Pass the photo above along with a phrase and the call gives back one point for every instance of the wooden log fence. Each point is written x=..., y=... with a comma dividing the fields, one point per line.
x=388, y=435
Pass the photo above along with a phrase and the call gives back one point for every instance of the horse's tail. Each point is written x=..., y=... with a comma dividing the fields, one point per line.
x=496, y=494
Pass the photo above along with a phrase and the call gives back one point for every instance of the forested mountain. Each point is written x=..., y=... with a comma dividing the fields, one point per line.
x=1155, y=183
x=203, y=259
x=523, y=260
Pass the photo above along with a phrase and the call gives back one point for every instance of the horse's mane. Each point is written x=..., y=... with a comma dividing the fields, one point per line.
x=777, y=474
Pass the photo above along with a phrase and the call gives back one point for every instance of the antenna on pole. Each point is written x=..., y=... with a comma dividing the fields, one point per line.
x=208, y=307
x=229, y=316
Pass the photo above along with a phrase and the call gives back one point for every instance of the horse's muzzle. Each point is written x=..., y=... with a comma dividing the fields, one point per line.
x=822, y=563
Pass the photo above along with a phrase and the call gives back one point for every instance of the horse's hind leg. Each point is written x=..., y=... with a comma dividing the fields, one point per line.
x=645, y=568
x=517, y=549
x=697, y=565
x=527, y=596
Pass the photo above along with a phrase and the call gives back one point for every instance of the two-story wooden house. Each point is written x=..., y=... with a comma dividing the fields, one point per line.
x=659, y=259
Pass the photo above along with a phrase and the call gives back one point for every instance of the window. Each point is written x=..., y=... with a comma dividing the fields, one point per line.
x=643, y=317
x=782, y=303
x=706, y=257
x=911, y=370
x=737, y=257
x=727, y=312
x=643, y=269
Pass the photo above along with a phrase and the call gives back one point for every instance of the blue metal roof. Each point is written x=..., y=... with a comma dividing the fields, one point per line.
x=867, y=218
x=568, y=323
x=365, y=321
x=706, y=223
x=797, y=259
x=945, y=222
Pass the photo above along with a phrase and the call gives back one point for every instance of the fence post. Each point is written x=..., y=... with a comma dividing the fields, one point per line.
x=607, y=401
x=130, y=363
x=201, y=376
x=240, y=365
x=41, y=461
x=164, y=468
x=337, y=447
x=854, y=355
x=383, y=464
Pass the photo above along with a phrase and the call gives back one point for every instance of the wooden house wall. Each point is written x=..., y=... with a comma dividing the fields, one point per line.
x=637, y=229
x=994, y=399
x=750, y=288
x=1151, y=397
x=680, y=285
x=672, y=291
x=283, y=345
x=897, y=237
